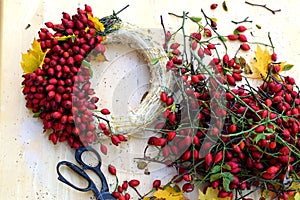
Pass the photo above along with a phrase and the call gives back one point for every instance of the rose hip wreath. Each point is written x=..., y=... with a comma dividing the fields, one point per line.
x=57, y=73
x=217, y=129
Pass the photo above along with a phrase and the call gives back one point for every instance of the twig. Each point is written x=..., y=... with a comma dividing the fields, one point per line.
x=178, y=15
x=165, y=33
x=245, y=20
x=264, y=6
x=206, y=17
x=120, y=10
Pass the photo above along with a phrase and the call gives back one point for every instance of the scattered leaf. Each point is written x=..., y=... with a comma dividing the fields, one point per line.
x=210, y=194
x=287, y=67
x=258, y=26
x=196, y=19
x=34, y=58
x=214, y=19
x=98, y=25
x=224, y=6
x=168, y=193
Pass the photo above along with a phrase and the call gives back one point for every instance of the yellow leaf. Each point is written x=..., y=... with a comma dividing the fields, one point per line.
x=169, y=193
x=259, y=66
x=98, y=25
x=297, y=196
x=34, y=58
x=65, y=37
x=211, y=194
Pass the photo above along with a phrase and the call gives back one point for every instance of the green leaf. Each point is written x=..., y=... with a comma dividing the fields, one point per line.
x=224, y=6
x=215, y=177
x=35, y=115
x=222, y=38
x=227, y=167
x=196, y=19
x=86, y=63
x=287, y=67
x=154, y=61
x=235, y=32
x=228, y=175
x=226, y=183
x=215, y=169
x=259, y=137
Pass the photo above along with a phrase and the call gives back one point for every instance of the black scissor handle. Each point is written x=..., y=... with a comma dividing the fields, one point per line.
x=96, y=169
x=78, y=157
x=80, y=172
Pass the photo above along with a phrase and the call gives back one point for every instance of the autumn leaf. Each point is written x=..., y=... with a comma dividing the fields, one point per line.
x=210, y=194
x=295, y=186
x=98, y=25
x=260, y=65
x=168, y=193
x=65, y=37
x=34, y=58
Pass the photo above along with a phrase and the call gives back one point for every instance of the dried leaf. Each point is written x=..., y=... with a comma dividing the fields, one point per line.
x=210, y=194
x=167, y=193
x=34, y=58
x=224, y=6
x=98, y=25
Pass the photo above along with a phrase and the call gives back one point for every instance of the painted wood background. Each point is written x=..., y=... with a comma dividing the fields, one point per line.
x=27, y=158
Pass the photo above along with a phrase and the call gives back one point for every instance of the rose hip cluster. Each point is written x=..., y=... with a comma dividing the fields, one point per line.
x=244, y=136
x=60, y=91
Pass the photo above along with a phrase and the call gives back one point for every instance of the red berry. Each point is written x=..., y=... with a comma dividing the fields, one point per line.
x=230, y=80
x=171, y=135
x=260, y=129
x=242, y=38
x=213, y=6
x=274, y=57
x=103, y=149
x=105, y=111
x=245, y=47
x=232, y=37
x=156, y=184
x=188, y=187
x=218, y=157
x=208, y=159
x=134, y=183
x=272, y=170
x=112, y=170
x=163, y=97
x=211, y=46
x=241, y=28
x=125, y=185
x=115, y=140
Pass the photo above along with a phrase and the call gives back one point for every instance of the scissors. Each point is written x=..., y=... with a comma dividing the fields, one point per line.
x=103, y=193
